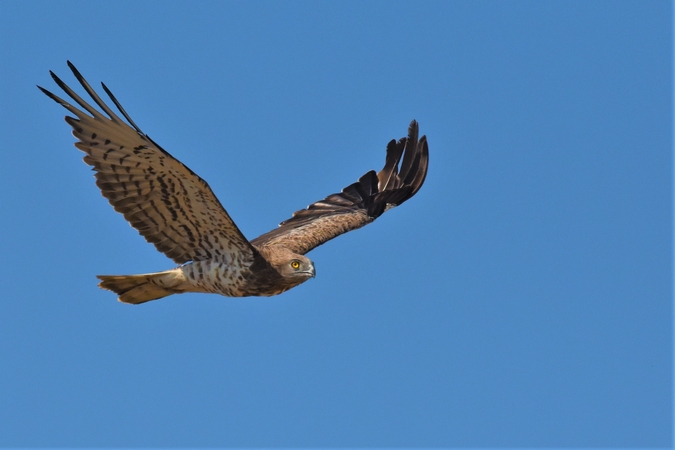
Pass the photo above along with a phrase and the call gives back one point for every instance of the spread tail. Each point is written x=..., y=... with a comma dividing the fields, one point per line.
x=142, y=288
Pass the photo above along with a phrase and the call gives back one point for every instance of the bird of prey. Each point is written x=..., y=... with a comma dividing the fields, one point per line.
x=176, y=210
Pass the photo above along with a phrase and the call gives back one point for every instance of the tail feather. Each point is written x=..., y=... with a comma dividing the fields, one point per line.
x=136, y=289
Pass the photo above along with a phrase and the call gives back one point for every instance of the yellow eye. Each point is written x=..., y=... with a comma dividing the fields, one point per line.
x=295, y=265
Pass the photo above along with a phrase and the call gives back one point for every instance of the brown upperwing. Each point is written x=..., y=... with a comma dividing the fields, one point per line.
x=360, y=203
x=169, y=205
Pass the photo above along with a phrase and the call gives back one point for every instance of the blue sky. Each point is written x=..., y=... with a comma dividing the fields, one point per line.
x=522, y=298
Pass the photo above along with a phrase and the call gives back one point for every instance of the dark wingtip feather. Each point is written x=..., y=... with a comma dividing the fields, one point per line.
x=388, y=173
x=57, y=80
x=120, y=108
x=410, y=152
x=76, y=72
x=423, y=166
x=399, y=184
x=46, y=92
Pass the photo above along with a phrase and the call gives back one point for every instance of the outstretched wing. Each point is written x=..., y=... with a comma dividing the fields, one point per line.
x=360, y=203
x=169, y=205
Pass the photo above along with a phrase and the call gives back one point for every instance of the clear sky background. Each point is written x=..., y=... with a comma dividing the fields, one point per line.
x=522, y=298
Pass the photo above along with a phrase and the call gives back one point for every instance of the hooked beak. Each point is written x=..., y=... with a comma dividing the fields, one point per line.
x=312, y=271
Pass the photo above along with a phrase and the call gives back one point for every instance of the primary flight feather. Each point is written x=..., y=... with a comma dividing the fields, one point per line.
x=176, y=210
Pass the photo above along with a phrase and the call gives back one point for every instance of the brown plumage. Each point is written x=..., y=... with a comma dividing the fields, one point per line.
x=176, y=210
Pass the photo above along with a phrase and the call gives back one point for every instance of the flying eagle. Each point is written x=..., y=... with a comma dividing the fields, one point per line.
x=174, y=209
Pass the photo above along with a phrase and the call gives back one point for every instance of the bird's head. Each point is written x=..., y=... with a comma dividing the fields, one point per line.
x=297, y=267
x=291, y=266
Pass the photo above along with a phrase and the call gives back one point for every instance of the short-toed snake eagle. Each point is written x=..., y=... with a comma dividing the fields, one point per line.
x=173, y=208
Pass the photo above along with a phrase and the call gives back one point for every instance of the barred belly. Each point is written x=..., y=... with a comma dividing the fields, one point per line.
x=216, y=277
